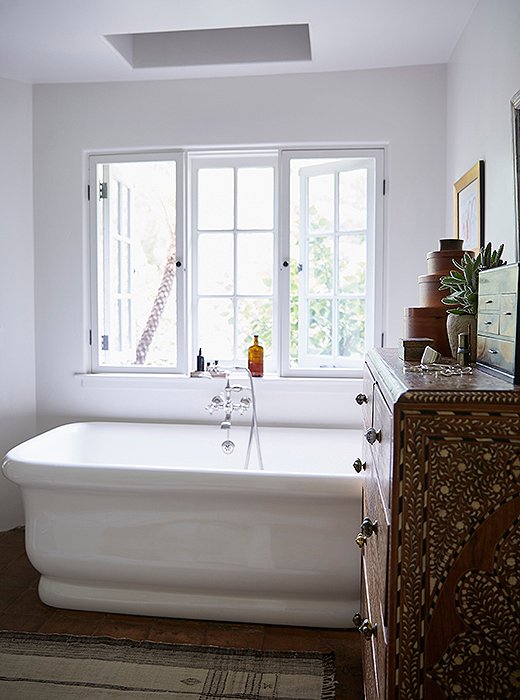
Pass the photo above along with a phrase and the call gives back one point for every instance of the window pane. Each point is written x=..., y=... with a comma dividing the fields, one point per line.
x=319, y=340
x=294, y=337
x=163, y=350
x=136, y=254
x=124, y=272
x=351, y=325
x=321, y=265
x=352, y=264
x=321, y=203
x=215, y=199
x=215, y=257
x=254, y=316
x=353, y=200
x=255, y=203
x=216, y=329
x=255, y=263
x=328, y=222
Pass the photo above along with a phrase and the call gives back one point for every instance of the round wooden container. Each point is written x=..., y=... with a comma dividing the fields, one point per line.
x=440, y=261
x=450, y=244
x=428, y=322
x=429, y=294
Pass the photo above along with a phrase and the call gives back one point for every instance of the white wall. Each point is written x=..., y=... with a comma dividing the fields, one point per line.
x=404, y=108
x=17, y=388
x=483, y=75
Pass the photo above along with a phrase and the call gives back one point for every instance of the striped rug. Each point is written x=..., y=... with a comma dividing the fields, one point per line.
x=65, y=667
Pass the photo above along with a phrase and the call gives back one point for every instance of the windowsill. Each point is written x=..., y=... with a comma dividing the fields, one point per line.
x=181, y=382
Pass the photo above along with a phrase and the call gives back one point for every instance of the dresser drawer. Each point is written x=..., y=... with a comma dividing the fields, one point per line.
x=508, y=306
x=380, y=437
x=488, y=323
x=375, y=561
x=370, y=683
x=489, y=303
x=496, y=353
x=366, y=398
x=375, y=550
x=498, y=280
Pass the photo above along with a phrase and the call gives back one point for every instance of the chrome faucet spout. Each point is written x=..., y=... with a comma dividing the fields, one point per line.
x=226, y=423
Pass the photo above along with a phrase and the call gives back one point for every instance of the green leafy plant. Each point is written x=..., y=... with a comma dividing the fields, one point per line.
x=462, y=283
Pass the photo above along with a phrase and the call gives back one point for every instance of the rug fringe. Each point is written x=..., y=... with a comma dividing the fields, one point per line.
x=328, y=688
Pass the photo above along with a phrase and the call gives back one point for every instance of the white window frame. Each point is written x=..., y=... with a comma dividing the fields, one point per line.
x=187, y=343
x=375, y=256
x=234, y=160
x=181, y=366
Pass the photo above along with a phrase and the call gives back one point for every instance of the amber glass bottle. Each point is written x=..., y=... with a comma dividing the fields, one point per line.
x=255, y=358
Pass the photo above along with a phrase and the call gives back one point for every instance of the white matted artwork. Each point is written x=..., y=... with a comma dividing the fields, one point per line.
x=468, y=204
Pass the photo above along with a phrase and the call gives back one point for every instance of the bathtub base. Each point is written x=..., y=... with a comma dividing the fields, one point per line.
x=223, y=608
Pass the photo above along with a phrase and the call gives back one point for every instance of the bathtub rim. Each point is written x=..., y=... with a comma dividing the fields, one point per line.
x=45, y=473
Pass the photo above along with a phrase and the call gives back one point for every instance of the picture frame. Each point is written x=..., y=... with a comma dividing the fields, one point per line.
x=468, y=208
x=515, y=120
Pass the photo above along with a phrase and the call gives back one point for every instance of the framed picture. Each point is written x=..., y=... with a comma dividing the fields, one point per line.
x=468, y=207
x=515, y=114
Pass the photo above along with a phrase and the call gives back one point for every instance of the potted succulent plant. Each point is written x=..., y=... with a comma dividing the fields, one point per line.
x=462, y=284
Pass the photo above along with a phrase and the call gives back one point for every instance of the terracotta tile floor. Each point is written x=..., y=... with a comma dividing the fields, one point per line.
x=21, y=609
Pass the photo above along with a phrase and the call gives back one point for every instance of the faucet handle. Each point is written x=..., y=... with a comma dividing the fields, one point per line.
x=216, y=403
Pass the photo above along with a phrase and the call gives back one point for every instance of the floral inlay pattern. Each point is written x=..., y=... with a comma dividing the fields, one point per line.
x=483, y=662
x=432, y=441
x=462, y=474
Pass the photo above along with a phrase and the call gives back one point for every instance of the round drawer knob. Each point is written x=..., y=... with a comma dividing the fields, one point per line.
x=368, y=528
x=357, y=620
x=359, y=465
x=361, y=540
x=367, y=629
x=361, y=399
x=372, y=435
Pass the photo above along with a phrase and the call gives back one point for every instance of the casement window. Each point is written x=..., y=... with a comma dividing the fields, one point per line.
x=197, y=250
x=138, y=301
x=331, y=221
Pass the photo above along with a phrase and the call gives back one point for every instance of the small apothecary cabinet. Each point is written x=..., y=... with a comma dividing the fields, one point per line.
x=498, y=329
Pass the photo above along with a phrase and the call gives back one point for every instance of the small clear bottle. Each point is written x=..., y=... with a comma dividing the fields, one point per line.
x=255, y=358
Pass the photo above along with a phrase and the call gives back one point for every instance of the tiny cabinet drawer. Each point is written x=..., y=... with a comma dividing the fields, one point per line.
x=488, y=323
x=508, y=315
x=488, y=303
x=498, y=280
x=496, y=353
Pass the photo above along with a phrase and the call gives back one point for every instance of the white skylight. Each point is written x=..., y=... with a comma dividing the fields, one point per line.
x=285, y=42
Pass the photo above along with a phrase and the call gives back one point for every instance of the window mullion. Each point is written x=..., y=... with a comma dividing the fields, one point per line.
x=235, y=263
x=335, y=276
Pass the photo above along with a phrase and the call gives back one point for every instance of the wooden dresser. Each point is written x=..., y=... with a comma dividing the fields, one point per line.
x=440, y=535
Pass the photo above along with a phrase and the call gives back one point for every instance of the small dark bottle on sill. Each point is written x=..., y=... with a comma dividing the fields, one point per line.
x=255, y=358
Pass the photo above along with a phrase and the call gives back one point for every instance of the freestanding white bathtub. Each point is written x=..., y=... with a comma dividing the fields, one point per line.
x=155, y=519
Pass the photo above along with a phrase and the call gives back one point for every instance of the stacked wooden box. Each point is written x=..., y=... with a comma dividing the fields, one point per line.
x=429, y=318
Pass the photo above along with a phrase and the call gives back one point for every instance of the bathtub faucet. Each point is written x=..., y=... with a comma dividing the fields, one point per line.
x=224, y=402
